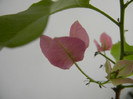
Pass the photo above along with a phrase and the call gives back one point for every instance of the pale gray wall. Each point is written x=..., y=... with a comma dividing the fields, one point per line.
x=26, y=74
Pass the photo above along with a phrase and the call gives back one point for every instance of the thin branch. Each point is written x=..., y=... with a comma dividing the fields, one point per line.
x=91, y=80
x=107, y=57
x=128, y=2
x=103, y=13
x=127, y=86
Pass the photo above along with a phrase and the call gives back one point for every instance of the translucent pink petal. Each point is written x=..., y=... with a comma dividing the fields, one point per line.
x=45, y=43
x=121, y=81
x=125, y=67
x=98, y=46
x=106, y=41
x=62, y=49
x=78, y=31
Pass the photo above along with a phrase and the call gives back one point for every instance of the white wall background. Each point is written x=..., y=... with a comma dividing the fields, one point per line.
x=26, y=74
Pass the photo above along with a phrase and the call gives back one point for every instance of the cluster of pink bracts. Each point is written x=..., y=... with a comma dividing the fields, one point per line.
x=59, y=51
x=62, y=52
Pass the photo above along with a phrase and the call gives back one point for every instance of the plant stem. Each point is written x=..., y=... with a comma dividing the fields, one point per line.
x=105, y=82
x=118, y=88
x=103, y=13
x=121, y=27
x=91, y=80
x=107, y=58
x=83, y=72
x=117, y=91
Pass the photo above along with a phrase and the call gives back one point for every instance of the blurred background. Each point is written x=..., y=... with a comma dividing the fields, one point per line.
x=26, y=74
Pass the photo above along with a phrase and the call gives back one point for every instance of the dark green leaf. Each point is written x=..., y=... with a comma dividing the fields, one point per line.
x=22, y=28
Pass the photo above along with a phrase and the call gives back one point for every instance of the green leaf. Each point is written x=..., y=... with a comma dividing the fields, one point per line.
x=129, y=48
x=21, y=28
x=115, y=51
x=24, y=27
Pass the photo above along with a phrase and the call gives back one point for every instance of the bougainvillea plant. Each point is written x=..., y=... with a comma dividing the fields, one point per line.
x=64, y=52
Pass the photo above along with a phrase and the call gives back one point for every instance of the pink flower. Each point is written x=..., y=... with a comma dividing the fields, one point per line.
x=106, y=42
x=62, y=52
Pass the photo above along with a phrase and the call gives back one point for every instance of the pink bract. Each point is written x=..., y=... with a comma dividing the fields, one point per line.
x=108, y=69
x=125, y=67
x=78, y=31
x=106, y=42
x=62, y=51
